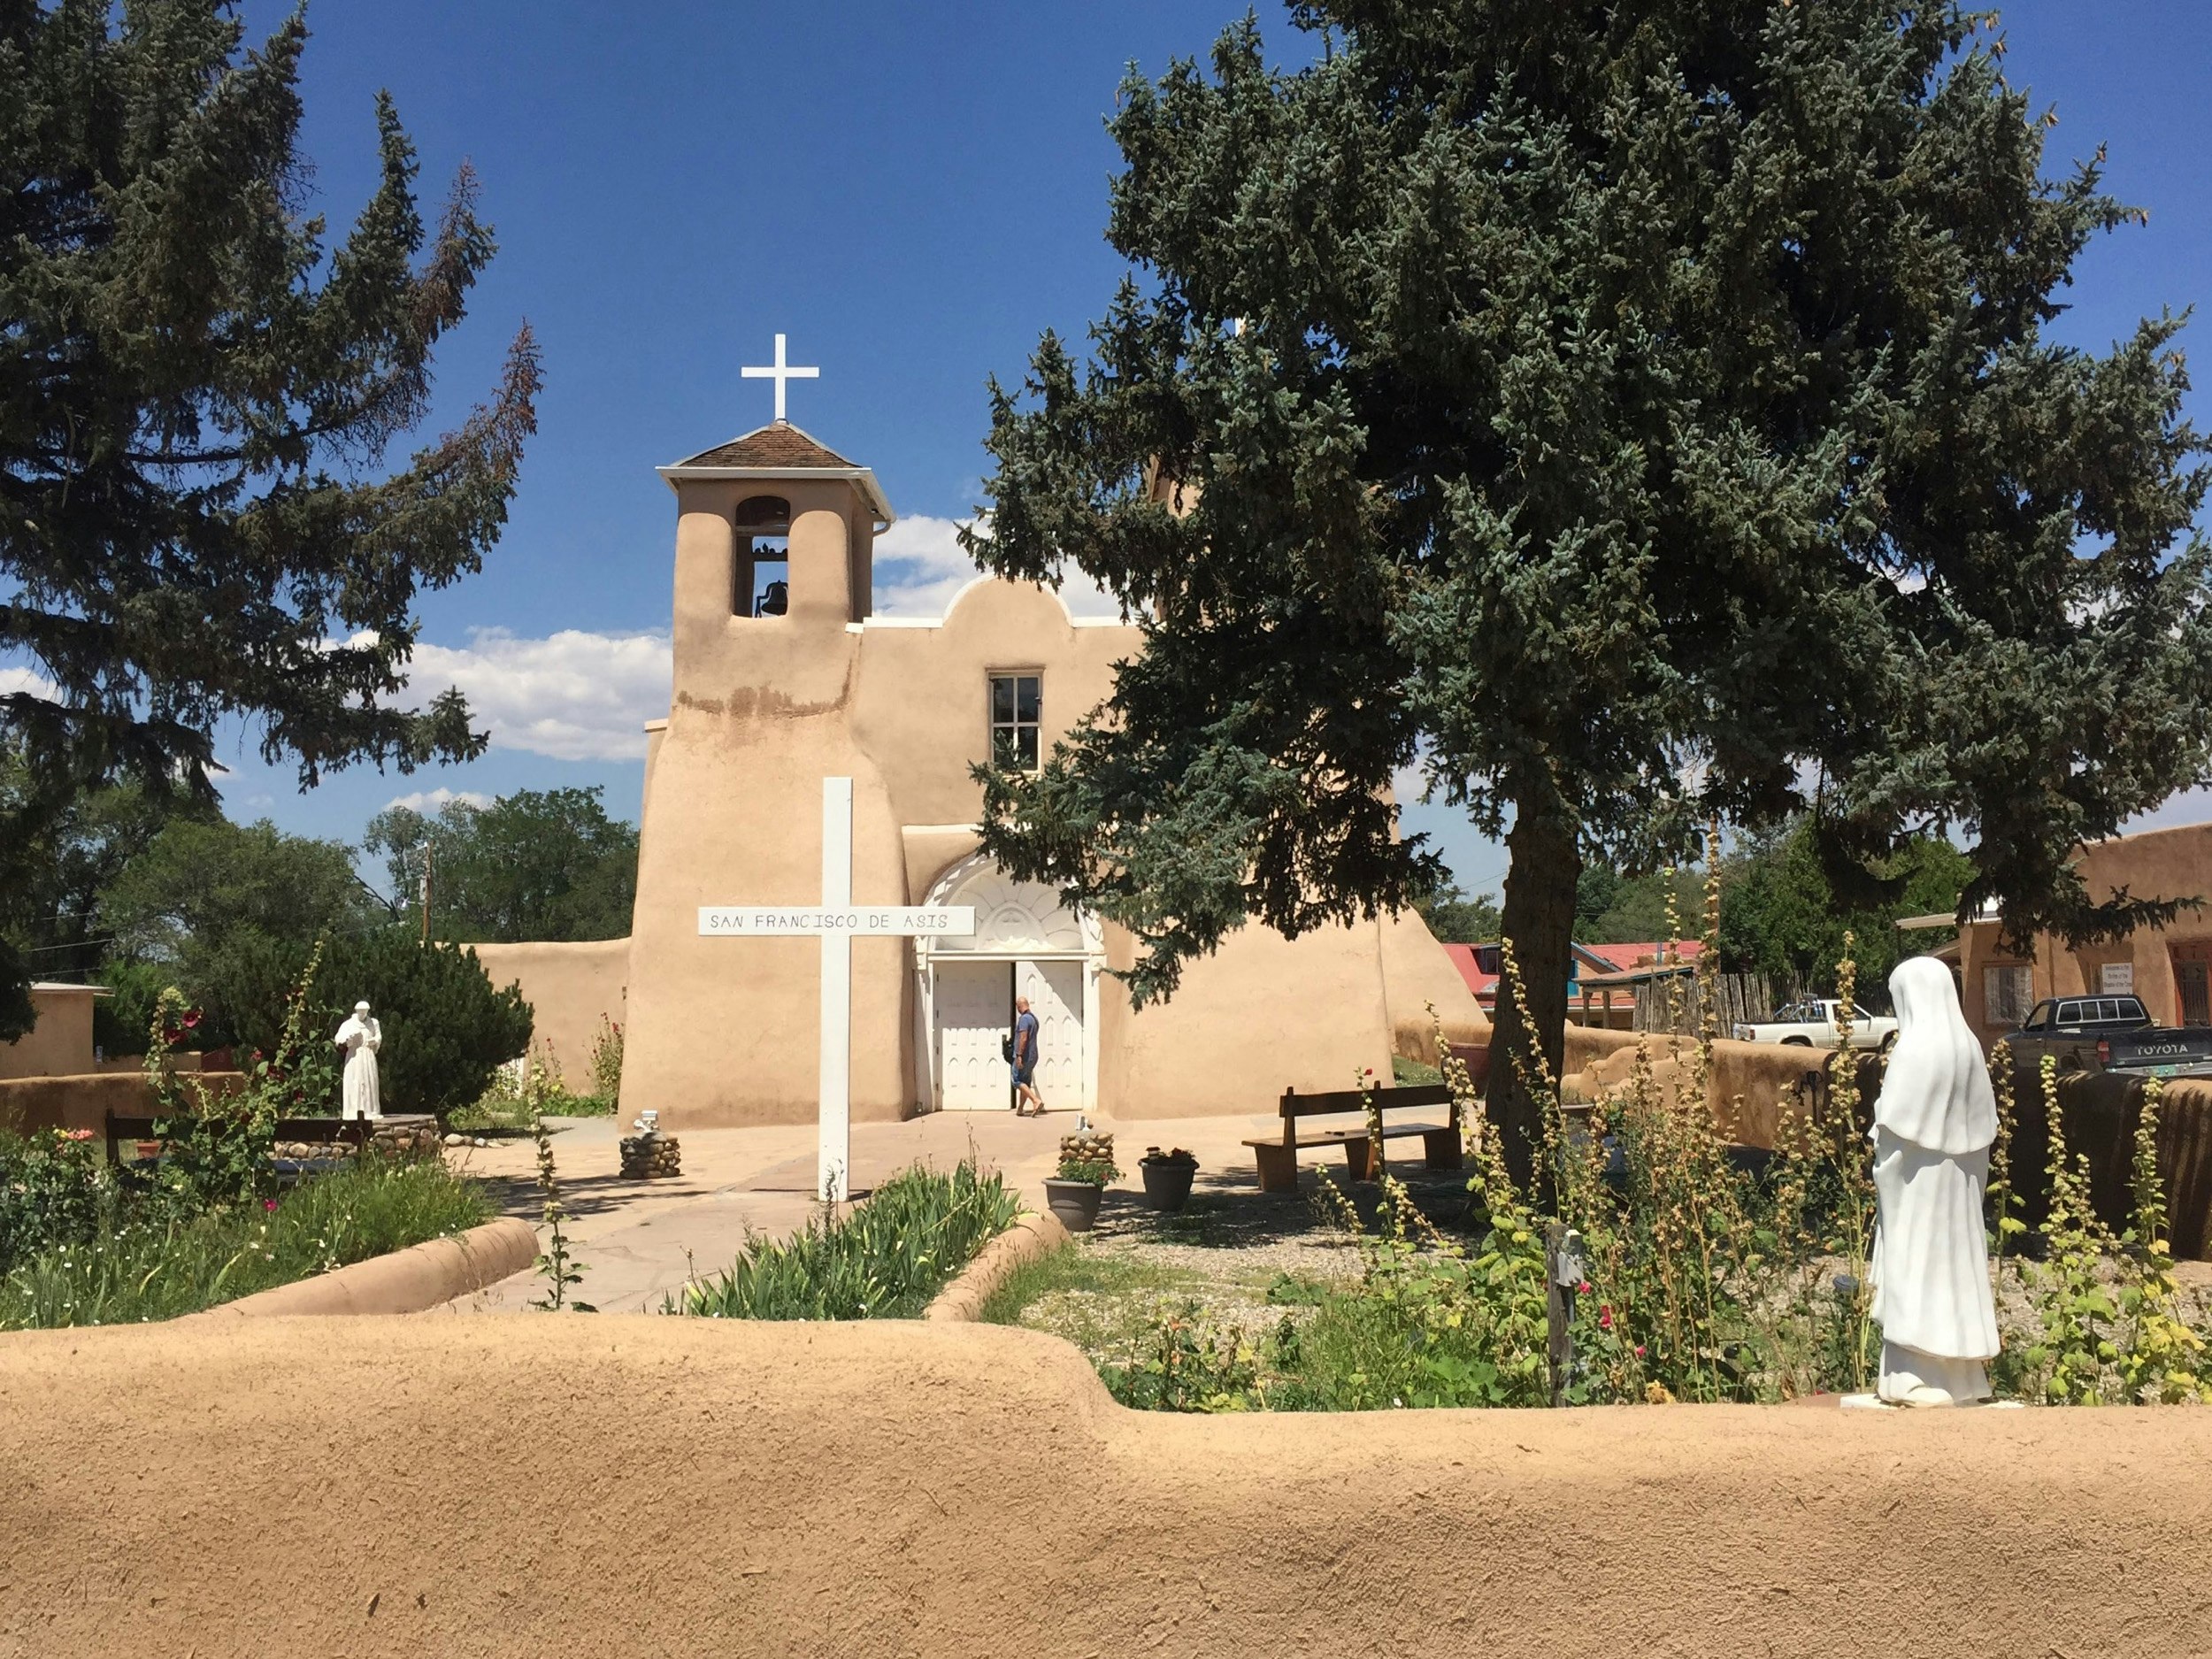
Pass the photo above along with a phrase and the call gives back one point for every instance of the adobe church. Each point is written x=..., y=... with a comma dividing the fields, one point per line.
x=784, y=675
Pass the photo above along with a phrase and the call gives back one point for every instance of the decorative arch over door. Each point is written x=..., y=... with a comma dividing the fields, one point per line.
x=1026, y=942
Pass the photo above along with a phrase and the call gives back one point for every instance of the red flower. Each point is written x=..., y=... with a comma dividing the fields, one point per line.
x=1605, y=1318
x=268, y=1203
x=1639, y=1350
x=1583, y=1289
x=192, y=1020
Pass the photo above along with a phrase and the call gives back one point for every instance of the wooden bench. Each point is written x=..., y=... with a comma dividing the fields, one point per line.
x=1279, y=1158
x=324, y=1131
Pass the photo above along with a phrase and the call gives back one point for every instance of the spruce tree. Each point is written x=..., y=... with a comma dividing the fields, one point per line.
x=1625, y=413
x=196, y=396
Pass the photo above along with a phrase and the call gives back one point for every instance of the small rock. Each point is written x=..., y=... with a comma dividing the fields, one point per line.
x=457, y=1139
x=481, y=1141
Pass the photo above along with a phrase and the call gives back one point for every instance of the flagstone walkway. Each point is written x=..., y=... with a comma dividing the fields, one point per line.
x=640, y=1241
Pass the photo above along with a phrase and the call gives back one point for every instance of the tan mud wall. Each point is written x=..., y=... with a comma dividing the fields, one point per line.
x=1756, y=1087
x=60, y=1043
x=83, y=1102
x=569, y=986
x=684, y=1487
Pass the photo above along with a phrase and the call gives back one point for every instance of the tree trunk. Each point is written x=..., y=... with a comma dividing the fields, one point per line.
x=1546, y=862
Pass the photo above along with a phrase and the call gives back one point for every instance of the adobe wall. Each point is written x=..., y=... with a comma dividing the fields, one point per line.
x=83, y=1102
x=908, y=1489
x=569, y=986
x=1755, y=1087
x=60, y=1043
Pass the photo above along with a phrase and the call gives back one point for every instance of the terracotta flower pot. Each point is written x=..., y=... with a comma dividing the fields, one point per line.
x=1167, y=1183
x=1075, y=1203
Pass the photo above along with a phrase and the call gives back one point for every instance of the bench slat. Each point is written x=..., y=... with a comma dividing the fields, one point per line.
x=1338, y=1137
x=1352, y=1100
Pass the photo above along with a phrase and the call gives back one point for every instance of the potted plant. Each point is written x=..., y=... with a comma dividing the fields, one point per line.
x=1087, y=1164
x=1167, y=1177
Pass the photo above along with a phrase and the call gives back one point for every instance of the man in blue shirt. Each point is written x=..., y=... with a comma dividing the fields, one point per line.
x=1025, y=1096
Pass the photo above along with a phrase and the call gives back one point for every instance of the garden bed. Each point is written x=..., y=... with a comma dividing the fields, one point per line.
x=885, y=1259
x=82, y=1243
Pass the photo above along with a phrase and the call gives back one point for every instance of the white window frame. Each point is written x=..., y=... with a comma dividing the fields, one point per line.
x=993, y=727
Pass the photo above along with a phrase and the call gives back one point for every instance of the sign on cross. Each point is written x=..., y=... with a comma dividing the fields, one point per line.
x=837, y=922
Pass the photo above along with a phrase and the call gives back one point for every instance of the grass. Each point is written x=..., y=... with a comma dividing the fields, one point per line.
x=885, y=1260
x=1405, y=1072
x=143, y=1268
x=1098, y=1301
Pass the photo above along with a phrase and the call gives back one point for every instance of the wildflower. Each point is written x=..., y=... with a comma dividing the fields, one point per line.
x=1583, y=1289
x=1639, y=1350
x=1605, y=1318
x=268, y=1203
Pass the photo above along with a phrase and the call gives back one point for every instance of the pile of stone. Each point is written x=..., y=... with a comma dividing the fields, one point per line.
x=1087, y=1149
x=651, y=1156
x=406, y=1137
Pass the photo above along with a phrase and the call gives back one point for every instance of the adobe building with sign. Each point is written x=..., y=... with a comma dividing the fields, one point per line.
x=784, y=675
x=2169, y=968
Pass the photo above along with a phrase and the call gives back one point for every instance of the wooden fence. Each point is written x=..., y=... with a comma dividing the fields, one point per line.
x=1740, y=999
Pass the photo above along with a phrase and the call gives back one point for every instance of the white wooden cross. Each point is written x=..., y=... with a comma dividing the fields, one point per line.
x=836, y=922
x=780, y=372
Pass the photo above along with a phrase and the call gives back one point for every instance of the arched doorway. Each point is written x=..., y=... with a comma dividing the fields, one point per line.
x=1026, y=943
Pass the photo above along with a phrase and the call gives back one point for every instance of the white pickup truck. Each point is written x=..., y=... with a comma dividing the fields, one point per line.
x=1813, y=1026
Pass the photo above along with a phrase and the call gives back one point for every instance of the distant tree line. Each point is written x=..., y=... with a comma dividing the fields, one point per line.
x=136, y=892
x=1779, y=915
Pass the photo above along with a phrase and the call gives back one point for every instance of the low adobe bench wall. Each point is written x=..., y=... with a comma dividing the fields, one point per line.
x=32, y=1103
x=1756, y=1087
x=696, y=1488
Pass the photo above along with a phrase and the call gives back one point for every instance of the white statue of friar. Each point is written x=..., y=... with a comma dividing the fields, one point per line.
x=360, y=1037
x=1933, y=1125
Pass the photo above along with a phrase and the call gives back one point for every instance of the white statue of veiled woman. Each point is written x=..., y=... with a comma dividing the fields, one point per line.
x=1934, y=1123
x=360, y=1037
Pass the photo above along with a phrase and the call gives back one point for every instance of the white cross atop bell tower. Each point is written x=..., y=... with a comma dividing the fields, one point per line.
x=779, y=372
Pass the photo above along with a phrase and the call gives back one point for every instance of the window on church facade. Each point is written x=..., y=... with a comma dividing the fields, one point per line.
x=1017, y=703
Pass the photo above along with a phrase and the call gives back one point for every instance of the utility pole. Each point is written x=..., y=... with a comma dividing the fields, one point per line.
x=426, y=847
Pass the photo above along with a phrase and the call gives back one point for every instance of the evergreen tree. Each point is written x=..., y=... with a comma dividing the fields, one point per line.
x=1627, y=410
x=195, y=396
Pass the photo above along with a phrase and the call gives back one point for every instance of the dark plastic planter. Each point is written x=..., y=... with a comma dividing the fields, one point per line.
x=1167, y=1185
x=1075, y=1203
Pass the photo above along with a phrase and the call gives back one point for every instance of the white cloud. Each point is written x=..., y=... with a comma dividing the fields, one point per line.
x=16, y=680
x=431, y=800
x=919, y=567
x=574, y=695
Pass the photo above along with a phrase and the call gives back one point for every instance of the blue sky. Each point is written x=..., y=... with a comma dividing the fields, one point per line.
x=911, y=192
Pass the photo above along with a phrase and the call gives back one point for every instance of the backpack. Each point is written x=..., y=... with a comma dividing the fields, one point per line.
x=1006, y=1048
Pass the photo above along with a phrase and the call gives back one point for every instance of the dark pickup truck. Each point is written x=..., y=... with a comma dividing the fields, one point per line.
x=2110, y=1033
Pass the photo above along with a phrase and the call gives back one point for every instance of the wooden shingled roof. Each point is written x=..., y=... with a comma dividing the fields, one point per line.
x=777, y=445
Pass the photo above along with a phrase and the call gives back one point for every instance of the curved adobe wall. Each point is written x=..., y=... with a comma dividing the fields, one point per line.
x=708, y=1487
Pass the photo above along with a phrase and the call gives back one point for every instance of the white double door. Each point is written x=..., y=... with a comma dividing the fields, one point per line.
x=974, y=1005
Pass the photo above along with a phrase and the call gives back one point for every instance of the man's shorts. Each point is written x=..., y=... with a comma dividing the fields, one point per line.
x=1022, y=1072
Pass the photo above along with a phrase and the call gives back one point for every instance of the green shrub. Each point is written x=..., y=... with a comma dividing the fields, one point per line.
x=883, y=1261
x=606, y=1062
x=447, y=1030
x=149, y=1261
x=530, y=1088
x=54, y=1188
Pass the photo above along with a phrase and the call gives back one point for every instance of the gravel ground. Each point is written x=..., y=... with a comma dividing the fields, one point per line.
x=1237, y=1259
